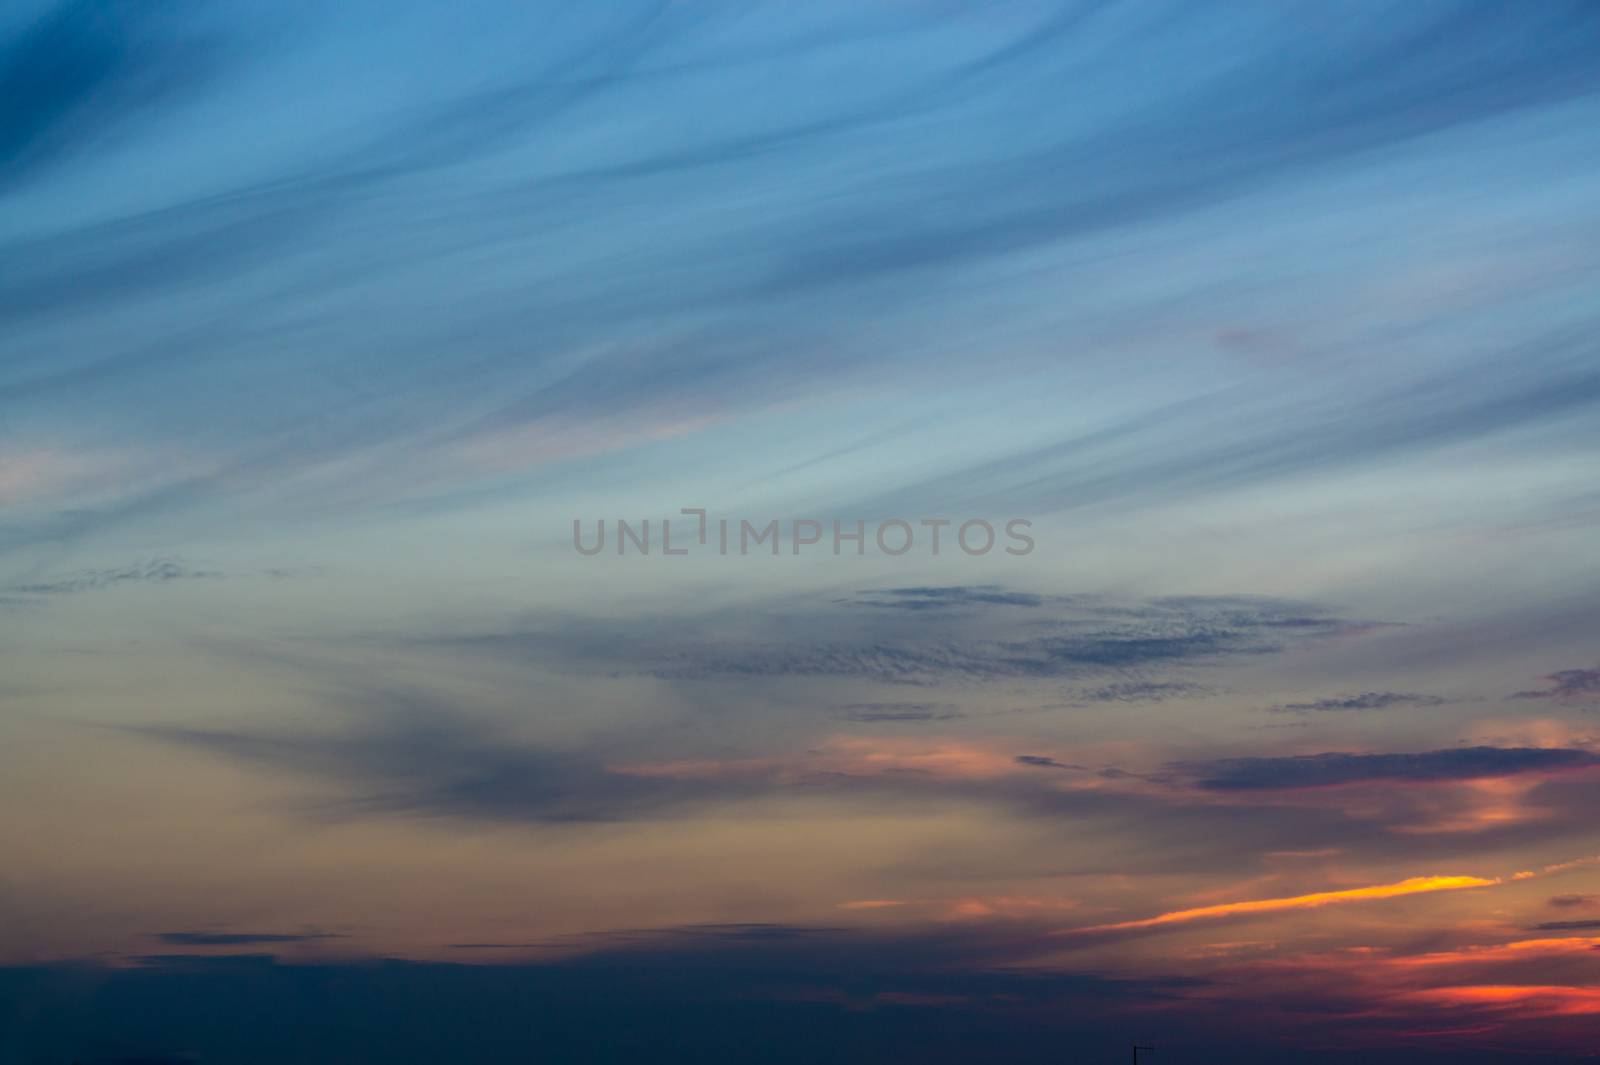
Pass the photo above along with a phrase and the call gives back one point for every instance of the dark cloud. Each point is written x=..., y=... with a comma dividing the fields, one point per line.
x=1143, y=692
x=1567, y=686
x=1061, y=637
x=1336, y=768
x=897, y=712
x=946, y=994
x=386, y=752
x=737, y=993
x=154, y=571
x=1566, y=926
x=1363, y=701
x=234, y=939
x=1568, y=902
x=939, y=598
x=443, y=763
x=1044, y=762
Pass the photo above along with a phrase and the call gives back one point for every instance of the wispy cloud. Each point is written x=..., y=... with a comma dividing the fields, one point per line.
x=153, y=571
x=1136, y=691
x=1567, y=686
x=236, y=939
x=943, y=598
x=1334, y=769
x=1314, y=900
x=1054, y=637
x=1363, y=701
x=882, y=712
x=1567, y=926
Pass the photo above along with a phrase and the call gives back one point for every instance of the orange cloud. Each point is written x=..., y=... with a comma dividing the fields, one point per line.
x=1526, y=1000
x=1512, y=951
x=1415, y=885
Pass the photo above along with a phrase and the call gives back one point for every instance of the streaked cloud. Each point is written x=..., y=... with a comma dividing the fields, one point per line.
x=1334, y=769
x=1363, y=701
x=238, y=939
x=1567, y=685
x=1314, y=900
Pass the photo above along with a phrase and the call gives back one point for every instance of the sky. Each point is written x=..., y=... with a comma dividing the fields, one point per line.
x=757, y=531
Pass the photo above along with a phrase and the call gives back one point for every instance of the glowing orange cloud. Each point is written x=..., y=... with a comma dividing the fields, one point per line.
x=1415, y=885
x=1512, y=951
x=1535, y=1000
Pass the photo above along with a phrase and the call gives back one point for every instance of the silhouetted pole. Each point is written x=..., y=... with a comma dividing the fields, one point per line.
x=1136, y=1049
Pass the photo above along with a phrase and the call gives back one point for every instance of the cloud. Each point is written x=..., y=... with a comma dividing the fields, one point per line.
x=780, y=994
x=1566, y=926
x=1315, y=900
x=1061, y=637
x=1567, y=686
x=1525, y=1000
x=1568, y=902
x=879, y=712
x=234, y=939
x=85, y=70
x=153, y=571
x=946, y=182
x=1044, y=762
x=435, y=762
x=1363, y=701
x=942, y=598
x=1334, y=769
x=1143, y=692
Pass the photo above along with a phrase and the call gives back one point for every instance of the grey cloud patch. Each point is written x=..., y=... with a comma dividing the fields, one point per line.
x=234, y=939
x=897, y=712
x=400, y=752
x=1363, y=701
x=1041, y=761
x=1570, y=902
x=1143, y=692
x=154, y=571
x=1064, y=636
x=1566, y=926
x=1567, y=686
x=446, y=764
x=939, y=598
x=1337, y=768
